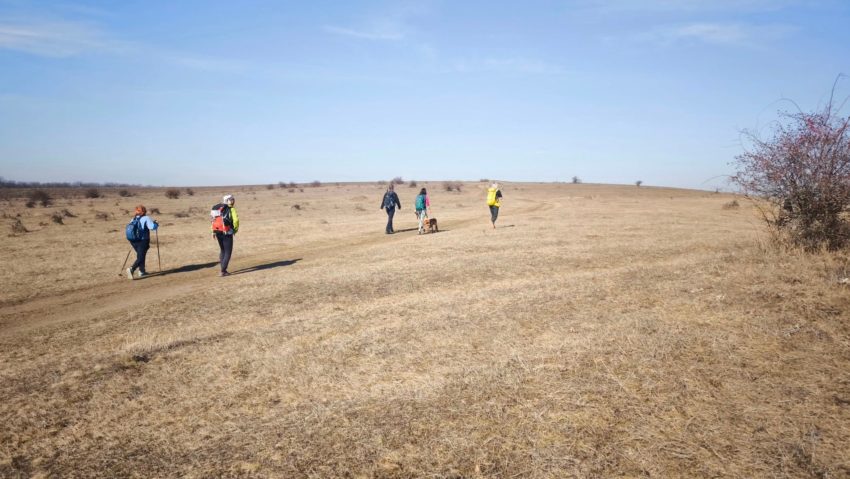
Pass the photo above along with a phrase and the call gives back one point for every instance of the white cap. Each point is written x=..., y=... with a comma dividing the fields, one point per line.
x=227, y=198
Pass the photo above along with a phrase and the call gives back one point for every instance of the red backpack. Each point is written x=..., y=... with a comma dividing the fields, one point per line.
x=220, y=216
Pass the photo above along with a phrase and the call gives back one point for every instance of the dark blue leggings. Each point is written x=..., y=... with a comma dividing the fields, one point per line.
x=225, y=243
x=390, y=214
x=141, y=248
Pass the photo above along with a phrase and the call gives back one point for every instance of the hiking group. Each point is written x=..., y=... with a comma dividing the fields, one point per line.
x=225, y=224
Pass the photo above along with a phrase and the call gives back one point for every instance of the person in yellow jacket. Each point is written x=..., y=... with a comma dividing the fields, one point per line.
x=494, y=201
x=225, y=225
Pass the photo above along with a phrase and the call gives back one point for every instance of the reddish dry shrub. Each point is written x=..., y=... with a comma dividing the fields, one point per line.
x=803, y=171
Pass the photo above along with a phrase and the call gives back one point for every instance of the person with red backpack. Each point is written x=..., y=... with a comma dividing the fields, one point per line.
x=225, y=225
x=139, y=235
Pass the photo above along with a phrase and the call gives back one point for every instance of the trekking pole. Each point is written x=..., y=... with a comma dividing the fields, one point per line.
x=157, y=250
x=125, y=261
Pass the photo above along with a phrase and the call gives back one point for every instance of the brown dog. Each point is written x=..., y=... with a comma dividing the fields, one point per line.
x=431, y=225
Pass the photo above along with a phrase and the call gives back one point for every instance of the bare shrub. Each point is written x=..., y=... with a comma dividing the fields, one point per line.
x=803, y=172
x=281, y=184
x=301, y=190
x=30, y=204
x=102, y=215
x=124, y=193
x=316, y=183
x=638, y=183
x=172, y=193
x=732, y=205
x=181, y=214
x=92, y=193
x=41, y=197
x=66, y=213
x=452, y=186
x=576, y=180
x=291, y=190
x=57, y=218
x=190, y=192
x=412, y=184
x=484, y=180
x=293, y=184
x=296, y=206
x=398, y=180
x=269, y=187
x=154, y=211
x=18, y=227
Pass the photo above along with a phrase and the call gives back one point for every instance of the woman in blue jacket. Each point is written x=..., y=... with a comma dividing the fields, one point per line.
x=143, y=243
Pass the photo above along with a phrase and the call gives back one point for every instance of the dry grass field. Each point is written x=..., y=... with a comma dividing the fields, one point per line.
x=600, y=331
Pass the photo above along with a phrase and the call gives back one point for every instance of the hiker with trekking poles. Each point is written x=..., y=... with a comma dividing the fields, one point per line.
x=139, y=236
x=225, y=225
x=389, y=203
x=494, y=201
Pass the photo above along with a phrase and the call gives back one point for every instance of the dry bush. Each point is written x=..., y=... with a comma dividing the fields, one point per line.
x=41, y=197
x=57, y=218
x=190, y=192
x=576, y=180
x=293, y=184
x=124, y=193
x=181, y=214
x=296, y=206
x=154, y=211
x=270, y=186
x=412, y=184
x=398, y=180
x=452, y=186
x=291, y=190
x=484, y=180
x=102, y=215
x=381, y=183
x=92, y=193
x=316, y=183
x=803, y=171
x=18, y=227
x=638, y=183
x=732, y=205
x=172, y=193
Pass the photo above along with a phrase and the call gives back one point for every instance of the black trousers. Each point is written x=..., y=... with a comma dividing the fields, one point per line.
x=225, y=243
x=494, y=213
x=141, y=248
x=390, y=214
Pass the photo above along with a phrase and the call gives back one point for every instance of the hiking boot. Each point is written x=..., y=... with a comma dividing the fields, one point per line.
x=129, y=273
x=223, y=274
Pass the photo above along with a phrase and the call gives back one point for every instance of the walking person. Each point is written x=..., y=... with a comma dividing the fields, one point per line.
x=389, y=203
x=139, y=235
x=225, y=225
x=423, y=204
x=494, y=201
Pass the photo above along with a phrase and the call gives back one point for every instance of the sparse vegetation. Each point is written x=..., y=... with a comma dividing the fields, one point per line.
x=172, y=193
x=576, y=180
x=67, y=213
x=731, y=205
x=181, y=214
x=41, y=197
x=398, y=180
x=57, y=218
x=124, y=193
x=18, y=227
x=190, y=192
x=452, y=186
x=270, y=186
x=316, y=184
x=638, y=183
x=102, y=215
x=412, y=184
x=154, y=211
x=296, y=206
x=92, y=193
x=803, y=171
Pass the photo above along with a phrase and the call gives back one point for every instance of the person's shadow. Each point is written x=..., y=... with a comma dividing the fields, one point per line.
x=261, y=267
x=186, y=269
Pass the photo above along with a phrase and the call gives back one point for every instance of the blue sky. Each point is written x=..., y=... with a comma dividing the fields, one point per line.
x=210, y=93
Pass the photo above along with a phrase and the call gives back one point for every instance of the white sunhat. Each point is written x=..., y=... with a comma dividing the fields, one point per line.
x=227, y=198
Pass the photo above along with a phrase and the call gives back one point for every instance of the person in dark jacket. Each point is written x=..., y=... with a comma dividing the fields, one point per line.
x=390, y=202
x=143, y=244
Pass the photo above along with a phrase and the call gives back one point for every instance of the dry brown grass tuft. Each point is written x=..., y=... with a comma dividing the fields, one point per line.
x=597, y=332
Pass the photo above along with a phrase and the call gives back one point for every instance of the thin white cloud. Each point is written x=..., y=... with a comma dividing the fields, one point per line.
x=515, y=65
x=722, y=34
x=51, y=38
x=372, y=34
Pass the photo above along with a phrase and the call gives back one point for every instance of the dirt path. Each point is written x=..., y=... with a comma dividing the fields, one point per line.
x=120, y=294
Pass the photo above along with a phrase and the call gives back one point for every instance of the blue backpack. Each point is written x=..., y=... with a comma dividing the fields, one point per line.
x=134, y=229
